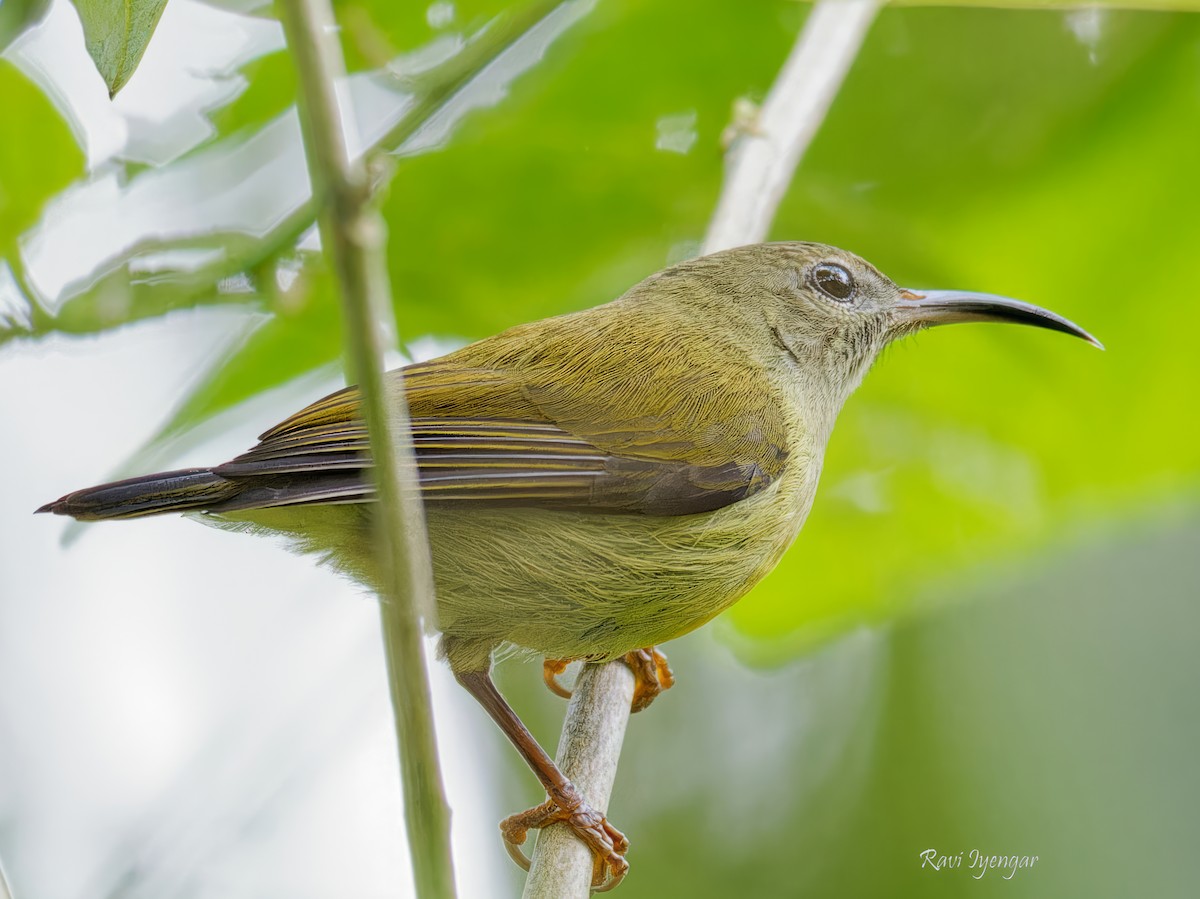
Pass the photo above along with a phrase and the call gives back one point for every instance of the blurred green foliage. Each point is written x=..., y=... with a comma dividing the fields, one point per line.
x=17, y=16
x=1046, y=155
x=35, y=167
x=1050, y=716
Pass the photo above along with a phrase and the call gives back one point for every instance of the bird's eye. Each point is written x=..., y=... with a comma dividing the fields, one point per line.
x=834, y=281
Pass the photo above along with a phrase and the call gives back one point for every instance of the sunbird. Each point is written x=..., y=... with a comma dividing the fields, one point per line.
x=597, y=483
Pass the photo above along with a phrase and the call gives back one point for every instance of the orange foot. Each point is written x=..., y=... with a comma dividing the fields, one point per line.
x=608, y=844
x=651, y=674
x=551, y=669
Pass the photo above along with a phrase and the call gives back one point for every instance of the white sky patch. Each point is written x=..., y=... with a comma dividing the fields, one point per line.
x=676, y=133
x=1087, y=25
x=14, y=305
x=185, y=259
x=190, y=67
x=440, y=14
x=286, y=273
x=430, y=347
x=247, y=186
x=239, y=283
x=491, y=84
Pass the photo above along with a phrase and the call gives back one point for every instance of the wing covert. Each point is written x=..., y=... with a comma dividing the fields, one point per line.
x=553, y=415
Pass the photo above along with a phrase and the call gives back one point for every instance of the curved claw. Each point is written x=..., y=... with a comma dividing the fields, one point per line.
x=651, y=673
x=517, y=854
x=551, y=669
x=608, y=844
x=611, y=884
x=609, y=872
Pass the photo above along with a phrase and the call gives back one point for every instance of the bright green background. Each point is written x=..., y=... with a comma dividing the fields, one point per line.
x=994, y=150
x=982, y=149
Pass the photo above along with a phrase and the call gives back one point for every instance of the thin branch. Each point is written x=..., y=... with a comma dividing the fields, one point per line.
x=5, y=890
x=760, y=170
x=764, y=160
x=588, y=751
x=353, y=233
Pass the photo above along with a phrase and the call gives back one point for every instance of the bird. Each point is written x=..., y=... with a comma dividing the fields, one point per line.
x=597, y=483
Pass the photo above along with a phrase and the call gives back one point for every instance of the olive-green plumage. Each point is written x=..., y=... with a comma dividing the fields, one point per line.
x=596, y=482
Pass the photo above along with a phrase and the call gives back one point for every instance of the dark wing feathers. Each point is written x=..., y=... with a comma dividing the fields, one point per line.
x=498, y=462
x=567, y=413
x=640, y=465
x=496, y=423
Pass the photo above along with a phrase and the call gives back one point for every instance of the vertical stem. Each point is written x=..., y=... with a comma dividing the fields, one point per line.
x=354, y=235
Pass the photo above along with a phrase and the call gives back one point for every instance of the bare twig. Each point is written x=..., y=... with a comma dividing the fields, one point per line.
x=760, y=170
x=764, y=159
x=587, y=754
x=353, y=233
x=5, y=890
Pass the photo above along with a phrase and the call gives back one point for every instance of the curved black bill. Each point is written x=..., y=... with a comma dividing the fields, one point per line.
x=942, y=307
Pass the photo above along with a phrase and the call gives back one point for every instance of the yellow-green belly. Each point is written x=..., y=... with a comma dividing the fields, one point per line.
x=567, y=584
x=574, y=585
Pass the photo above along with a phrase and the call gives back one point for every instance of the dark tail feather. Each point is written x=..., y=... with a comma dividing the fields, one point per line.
x=152, y=494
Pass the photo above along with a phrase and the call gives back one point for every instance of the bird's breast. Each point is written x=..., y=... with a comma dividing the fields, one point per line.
x=572, y=585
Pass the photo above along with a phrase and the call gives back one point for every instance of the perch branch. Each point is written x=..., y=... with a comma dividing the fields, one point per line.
x=587, y=754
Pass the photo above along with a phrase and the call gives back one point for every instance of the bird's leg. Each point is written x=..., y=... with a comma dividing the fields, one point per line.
x=565, y=804
x=651, y=675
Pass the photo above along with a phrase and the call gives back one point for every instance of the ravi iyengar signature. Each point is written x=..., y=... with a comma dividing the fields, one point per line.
x=979, y=863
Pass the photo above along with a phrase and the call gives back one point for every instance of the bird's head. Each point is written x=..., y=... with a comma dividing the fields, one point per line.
x=829, y=313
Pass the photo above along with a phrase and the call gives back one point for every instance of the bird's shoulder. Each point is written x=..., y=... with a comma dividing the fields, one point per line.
x=631, y=380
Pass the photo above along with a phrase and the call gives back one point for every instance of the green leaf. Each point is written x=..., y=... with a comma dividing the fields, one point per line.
x=28, y=180
x=421, y=92
x=17, y=16
x=306, y=333
x=117, y=34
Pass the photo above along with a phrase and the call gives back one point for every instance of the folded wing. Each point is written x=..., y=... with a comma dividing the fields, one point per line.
x=488, y=442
